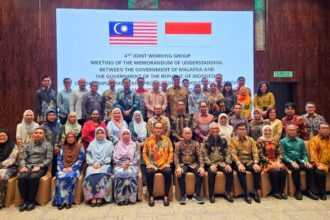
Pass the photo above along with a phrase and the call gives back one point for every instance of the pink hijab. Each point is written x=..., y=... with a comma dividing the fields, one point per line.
x=125, y=149
x=119, y=123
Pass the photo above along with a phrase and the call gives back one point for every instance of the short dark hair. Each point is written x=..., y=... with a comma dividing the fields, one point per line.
x=290, y=104
x=175, y=76
x=309, y=103
x=180, y=100
x=65, y=79
x=44, y=77
x=239, y=125
x=323, y=123
x=93, y=82
x=241, y=77
x=140, y=78
x=238, y=105
x=126, y=79
x=184, y=80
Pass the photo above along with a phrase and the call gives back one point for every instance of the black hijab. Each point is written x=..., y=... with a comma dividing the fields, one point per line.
x=6, y=148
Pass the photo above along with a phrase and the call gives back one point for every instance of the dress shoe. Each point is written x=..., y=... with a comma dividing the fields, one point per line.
x=1, y=206
x=256, y=197
x=277, y=195
x=284, y=196
x=60, y=207
x=22, y=208
x=212, y=199
x=247, y=199
x=126, y=202
x=30, y=206
x=166, y=202
x=151, y=202
x=228, y=197
x=311, y=195
x=68, y=206
x=298, y=195
x=323, y=196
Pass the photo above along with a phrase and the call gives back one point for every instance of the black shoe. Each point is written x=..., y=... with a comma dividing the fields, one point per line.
x=30, y=206
x=228, y=197
x=60, y=207
x=166, y=202
x=256, y=197
x=1, y=206
x=22, y=208
x=298, y=195
x=151, y=202
x=323, y=196
x=247, y=199
x=212, y=199
x=277, y=195
x=93, y=204
x=68, y=206
x=126, y=202
x=311, y=195
x=284, y=196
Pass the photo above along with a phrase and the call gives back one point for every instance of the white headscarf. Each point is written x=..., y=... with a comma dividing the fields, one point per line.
x=140, y=128
x=263, y=133
x=226, y=131
x=72, y=127
x=26, y=128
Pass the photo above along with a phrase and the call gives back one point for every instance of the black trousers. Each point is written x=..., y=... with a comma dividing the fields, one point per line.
x=54, y=164
x=296, y=175
x=320, y=180
x=211, y=179
x=198, y=180
x=150, y=173
x=242, y=177
x=277, y=179
x=28, y=184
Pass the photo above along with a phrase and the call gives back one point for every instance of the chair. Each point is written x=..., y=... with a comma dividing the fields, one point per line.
x=159, y=186
x=190, y=186
x=237, y=186
x=266, y=187
x=10, y=192
x=78, y=192
x=219, y=186
x=44, y=190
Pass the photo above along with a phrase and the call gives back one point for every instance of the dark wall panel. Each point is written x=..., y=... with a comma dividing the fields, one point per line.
x=297, y=39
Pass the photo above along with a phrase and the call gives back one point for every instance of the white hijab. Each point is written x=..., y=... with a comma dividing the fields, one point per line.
x=226, y=131
x=25, y=129
x=141, y=127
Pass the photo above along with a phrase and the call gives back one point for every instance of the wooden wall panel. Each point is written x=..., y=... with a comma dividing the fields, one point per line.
x=297, y=39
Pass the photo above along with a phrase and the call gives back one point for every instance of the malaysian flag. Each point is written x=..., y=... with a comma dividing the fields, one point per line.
x=132, y=33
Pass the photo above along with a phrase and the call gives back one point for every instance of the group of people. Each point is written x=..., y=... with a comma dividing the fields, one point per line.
x=173, y=131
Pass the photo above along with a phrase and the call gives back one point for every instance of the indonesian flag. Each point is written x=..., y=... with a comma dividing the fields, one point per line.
x=182, y=34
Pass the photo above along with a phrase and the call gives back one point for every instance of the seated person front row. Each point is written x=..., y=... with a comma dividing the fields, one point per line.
x=158, y=154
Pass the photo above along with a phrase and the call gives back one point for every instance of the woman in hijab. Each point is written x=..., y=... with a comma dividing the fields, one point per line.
x=24, y=131
x=8, y=156
x=69, y=161
x=71, y=125
x=117, y=123
x=126, y=167
x=53, y=127
x=226, y=130
x=256, y=124
x=88, y=130
x=138, y=127
x=195, y=98
x=245, y=100
x=97, y=183
x=216, y=101
x=270, y=154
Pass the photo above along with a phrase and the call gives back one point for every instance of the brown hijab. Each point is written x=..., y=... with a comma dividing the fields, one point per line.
x=70, y=151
